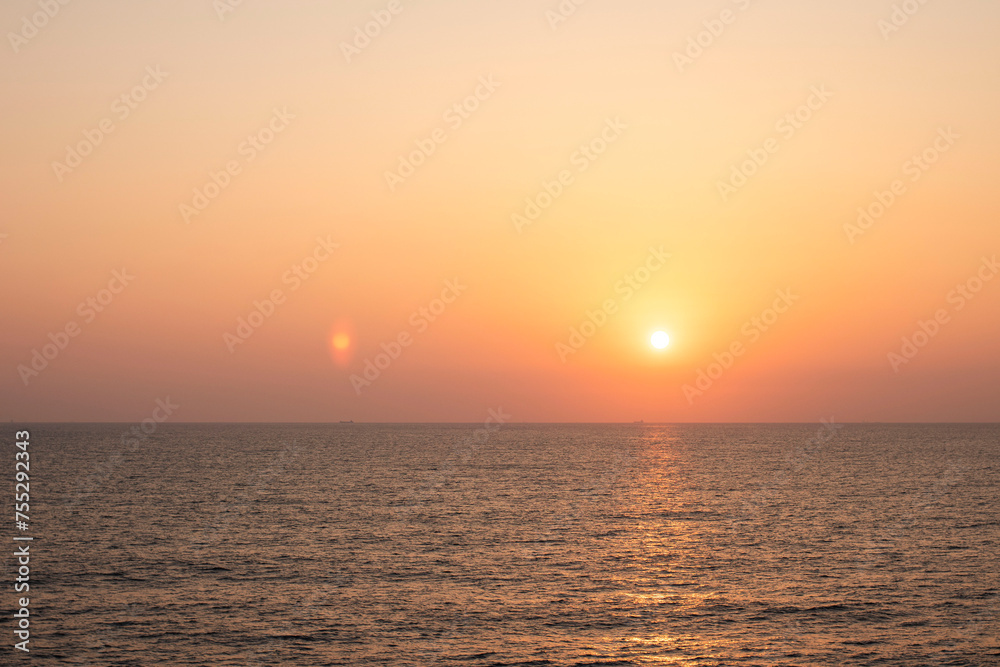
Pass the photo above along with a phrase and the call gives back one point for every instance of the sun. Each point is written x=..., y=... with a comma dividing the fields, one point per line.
x=660, y=340
x=341, y=341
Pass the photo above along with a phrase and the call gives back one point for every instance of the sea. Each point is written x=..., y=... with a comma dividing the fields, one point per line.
x=511, y=544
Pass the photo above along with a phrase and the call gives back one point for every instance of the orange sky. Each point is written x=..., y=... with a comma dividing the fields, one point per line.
x=508, y=170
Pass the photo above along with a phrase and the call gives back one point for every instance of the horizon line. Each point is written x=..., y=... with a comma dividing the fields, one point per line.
x=529, y=423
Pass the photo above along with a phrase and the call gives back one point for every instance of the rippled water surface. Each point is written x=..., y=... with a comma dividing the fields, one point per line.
x=353, y=544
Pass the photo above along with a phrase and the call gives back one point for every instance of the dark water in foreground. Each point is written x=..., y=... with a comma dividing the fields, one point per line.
x=531, y=545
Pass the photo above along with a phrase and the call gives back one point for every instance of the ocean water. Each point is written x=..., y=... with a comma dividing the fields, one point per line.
x=636, y=544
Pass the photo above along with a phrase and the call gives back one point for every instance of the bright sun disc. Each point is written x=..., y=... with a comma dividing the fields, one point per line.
x=660, y=340
x=341, y=341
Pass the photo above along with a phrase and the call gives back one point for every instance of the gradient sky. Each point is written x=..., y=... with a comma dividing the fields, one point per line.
x=495, y=345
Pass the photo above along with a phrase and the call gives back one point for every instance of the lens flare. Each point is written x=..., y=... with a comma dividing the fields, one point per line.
x=342, y=342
